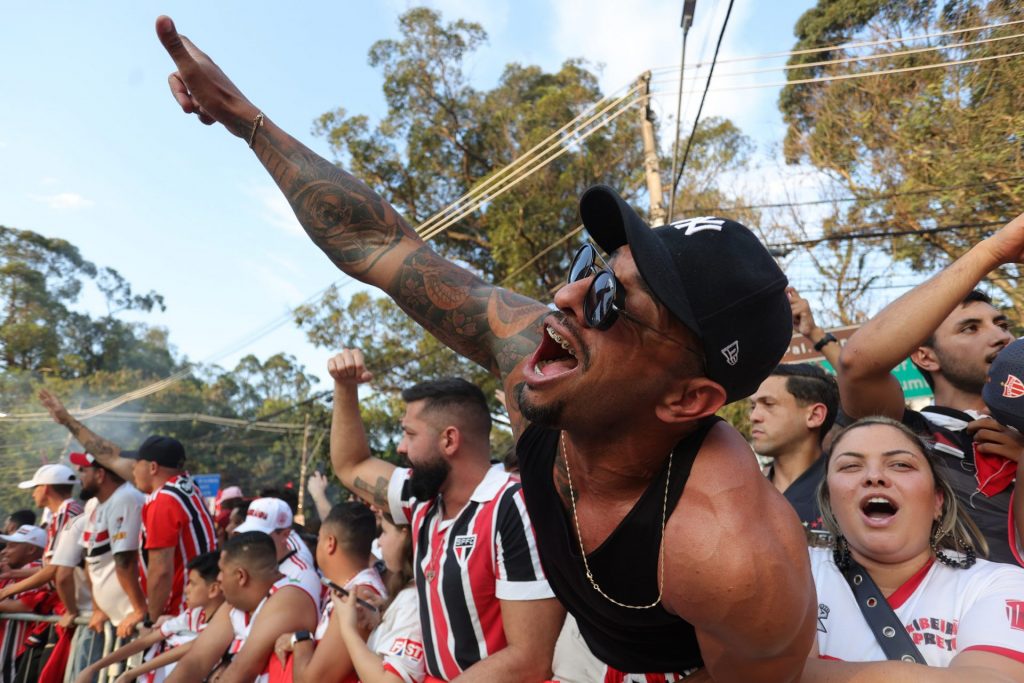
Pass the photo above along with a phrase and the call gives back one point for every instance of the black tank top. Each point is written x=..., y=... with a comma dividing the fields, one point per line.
x=625, y=565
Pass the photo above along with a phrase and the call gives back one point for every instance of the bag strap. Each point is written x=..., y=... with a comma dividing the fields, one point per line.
x=887, y=628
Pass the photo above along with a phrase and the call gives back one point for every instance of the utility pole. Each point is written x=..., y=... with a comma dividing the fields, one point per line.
x=651, y=152
x=688, y=8
x=299, y=516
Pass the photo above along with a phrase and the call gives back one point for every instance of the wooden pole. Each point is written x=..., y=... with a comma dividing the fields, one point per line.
x=651, y=169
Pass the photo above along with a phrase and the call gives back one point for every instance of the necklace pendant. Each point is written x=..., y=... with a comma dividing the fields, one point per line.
x=430, y=575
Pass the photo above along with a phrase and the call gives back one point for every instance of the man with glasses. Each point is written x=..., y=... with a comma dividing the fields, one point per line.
x=612, y=396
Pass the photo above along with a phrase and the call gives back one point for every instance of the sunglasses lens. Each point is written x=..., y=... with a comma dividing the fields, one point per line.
x=582, y=263
x=598, y=305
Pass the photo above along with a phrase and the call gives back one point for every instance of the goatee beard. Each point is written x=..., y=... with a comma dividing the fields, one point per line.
x=544, y=416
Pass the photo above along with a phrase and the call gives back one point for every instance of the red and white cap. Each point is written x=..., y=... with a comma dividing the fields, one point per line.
x=266, y=515
x=50, y=474
x=83, y=460
x=27, y=533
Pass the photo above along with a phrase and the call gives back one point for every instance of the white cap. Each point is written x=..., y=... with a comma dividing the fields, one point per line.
x=266, y=515
x=50, y=474
x=27, y=533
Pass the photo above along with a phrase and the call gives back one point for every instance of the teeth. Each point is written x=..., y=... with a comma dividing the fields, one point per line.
x=879, y=500
x=561, y=341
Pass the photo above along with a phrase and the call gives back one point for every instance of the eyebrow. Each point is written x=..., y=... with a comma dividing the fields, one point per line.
x=895, y=451
x=641, y=282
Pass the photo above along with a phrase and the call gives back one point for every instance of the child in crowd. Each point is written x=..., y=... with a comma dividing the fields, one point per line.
x=171, y=637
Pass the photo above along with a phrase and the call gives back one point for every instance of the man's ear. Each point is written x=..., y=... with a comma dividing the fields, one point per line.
x=925, y=357
x=816, y=415
x=450, y=440
x=691, y=399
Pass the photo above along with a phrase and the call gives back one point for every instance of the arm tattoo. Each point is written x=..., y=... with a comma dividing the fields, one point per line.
x=376, y=494
x=359, y=230
x=91, y=442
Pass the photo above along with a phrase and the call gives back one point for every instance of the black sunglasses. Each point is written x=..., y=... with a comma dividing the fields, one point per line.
x=605, y=299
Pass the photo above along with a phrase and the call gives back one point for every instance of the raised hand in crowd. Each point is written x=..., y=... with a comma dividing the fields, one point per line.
x=996, y=439
x=804, y=323
x=106, y=452
x=317, y=486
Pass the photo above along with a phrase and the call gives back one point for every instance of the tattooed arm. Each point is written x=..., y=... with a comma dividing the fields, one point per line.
x=360, y=472
x=359, y=231
x=107, y=453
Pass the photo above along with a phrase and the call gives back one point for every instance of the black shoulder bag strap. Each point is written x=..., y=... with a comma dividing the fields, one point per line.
x=885, y=625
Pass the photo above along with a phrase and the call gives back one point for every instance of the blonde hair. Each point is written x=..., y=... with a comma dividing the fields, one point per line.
x=954, y=530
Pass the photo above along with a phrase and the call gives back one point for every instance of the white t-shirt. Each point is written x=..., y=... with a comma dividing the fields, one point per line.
x=305, y=576
x=68, y=552
x=946, y=611
x=111, y=527
x=367, y=577
x=399, y=640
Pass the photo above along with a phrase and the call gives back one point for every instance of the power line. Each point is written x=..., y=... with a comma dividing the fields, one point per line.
x=838, y=46
x=700, y=108
x=855, y=198
x=845, y=237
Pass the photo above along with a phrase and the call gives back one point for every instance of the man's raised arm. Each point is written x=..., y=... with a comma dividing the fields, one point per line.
x=358, y=471
x=865, y=384
x=358, y=230
x=107, y=453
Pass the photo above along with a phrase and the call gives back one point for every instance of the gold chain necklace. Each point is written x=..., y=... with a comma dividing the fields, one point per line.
x=583, y=553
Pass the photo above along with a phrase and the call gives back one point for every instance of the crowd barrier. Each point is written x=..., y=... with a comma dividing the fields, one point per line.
x=36, y=656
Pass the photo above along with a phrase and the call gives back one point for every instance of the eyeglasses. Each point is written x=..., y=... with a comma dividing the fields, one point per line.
x=606, y=297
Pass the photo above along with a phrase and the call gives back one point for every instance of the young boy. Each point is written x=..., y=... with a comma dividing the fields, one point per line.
x=171, y=637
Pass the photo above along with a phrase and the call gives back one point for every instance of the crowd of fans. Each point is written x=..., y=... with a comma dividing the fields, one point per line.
x=434, y=573
x=636, y=540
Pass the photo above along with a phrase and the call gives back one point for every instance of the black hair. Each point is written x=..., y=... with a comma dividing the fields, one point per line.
x=206, y=565
x=254, y=550
x=23, y=517
x=63, y=490
x=456, y=397
x=973, y=296
x=810, y=383
x=355, y=526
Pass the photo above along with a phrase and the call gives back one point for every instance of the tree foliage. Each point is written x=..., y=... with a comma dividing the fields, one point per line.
x=935, y=152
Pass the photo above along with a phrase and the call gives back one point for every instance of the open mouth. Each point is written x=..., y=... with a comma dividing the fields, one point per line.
x=555, y=355
x=878, y=508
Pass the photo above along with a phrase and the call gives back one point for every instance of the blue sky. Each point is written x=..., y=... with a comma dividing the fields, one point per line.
x=95, y=151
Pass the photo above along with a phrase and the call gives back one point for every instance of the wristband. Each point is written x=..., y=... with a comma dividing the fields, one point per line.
x=147, y=622
x=300, y=636
x=825, y=341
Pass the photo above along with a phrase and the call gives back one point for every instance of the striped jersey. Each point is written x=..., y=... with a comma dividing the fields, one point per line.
x=465, y=566
x=13, y=633
x=175, y=516
x=68, y=510
x=111, y=527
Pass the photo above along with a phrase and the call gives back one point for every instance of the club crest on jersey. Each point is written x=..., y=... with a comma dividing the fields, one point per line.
x=692, y=226
x=184, y=485
x=1015, y=614
x=463, y=546
x=1013, y=387
x=823, y=611
x=732, y=352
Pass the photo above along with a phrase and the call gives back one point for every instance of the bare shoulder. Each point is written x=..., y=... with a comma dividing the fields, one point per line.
x=730, y=530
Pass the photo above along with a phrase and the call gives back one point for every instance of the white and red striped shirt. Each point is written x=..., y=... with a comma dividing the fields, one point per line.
x=465, y=567
x=175, y=516
x=68, y=510
x=13, y=633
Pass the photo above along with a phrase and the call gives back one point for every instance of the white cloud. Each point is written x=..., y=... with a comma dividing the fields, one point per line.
x=64, y=201
x=277, y=288
x=275, y=208
x=492, y=15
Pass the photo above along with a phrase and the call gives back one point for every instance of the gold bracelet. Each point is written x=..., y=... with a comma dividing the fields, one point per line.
x=257, y=123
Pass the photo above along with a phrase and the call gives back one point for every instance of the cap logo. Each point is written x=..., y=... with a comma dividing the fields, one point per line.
x=732, y=352
x=1013, y=387
x=691, y=226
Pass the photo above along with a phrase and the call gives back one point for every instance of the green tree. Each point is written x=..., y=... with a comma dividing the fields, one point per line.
x=935, y=152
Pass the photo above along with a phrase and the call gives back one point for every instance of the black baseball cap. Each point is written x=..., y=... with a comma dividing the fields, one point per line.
x=163, y=450
x=1003, y=393
x=714, y=275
